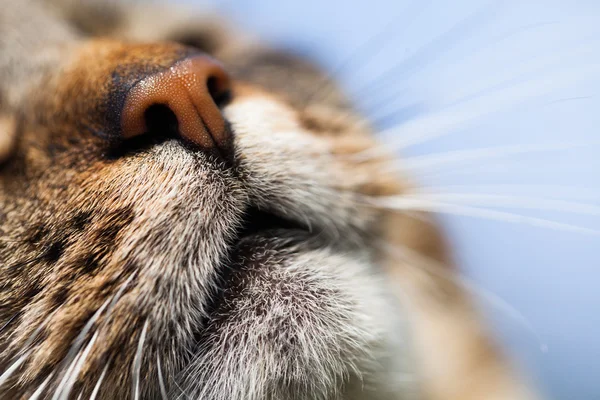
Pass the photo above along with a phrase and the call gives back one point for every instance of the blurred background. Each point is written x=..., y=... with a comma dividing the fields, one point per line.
x=494, y=107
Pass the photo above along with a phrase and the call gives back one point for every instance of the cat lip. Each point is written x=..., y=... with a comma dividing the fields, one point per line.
x=257, y=221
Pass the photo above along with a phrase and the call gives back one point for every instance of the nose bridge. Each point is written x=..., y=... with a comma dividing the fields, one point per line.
x=191, y=88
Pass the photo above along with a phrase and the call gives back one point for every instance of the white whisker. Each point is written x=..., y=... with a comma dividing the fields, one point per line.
x=73, y=376
x=39, y=329
x=551, y=191
x=421, y=58
x=161, y=382
x=117, y=296
x=122, y=289
x=460, y=114
x=511, y=201
x=404, y=204
x=137, y=363
x=487, y=153
x=501, y=169
x=87, y=327
x=15, y=365
x=65, y=377
x=74, y=351
x=182, y=393
x=38, y=392
x=551, y=65
x=99, y=383
x=432, y=266
x=11, y=319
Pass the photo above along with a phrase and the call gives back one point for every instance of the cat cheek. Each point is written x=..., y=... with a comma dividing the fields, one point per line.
x=8, y=133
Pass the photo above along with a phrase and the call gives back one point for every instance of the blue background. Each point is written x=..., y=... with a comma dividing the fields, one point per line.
x=503, y=75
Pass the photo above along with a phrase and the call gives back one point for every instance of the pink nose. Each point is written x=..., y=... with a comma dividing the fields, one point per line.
x=192, y=89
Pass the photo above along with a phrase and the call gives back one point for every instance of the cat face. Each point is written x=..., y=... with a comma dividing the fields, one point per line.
x=183, y=224
x=238, y=233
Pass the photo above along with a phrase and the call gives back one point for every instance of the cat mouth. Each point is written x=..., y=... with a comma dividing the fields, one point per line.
x=260, y=226
x=263, y=223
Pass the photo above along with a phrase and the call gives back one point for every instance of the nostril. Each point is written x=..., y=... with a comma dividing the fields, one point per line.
x=219, y=91
x=161, y=121
x=161, y=125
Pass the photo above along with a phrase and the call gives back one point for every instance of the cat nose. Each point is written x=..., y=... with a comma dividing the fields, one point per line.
x=193, y=91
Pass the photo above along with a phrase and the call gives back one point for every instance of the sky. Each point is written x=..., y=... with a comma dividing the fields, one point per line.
x=491, y=105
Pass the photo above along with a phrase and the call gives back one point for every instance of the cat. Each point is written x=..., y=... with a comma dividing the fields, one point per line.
x=185, y=213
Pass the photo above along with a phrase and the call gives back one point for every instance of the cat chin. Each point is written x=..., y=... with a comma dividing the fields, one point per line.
x=291, y=323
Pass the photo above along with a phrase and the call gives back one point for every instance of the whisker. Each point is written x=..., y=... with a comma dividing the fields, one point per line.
x=72, y=356
x=137, y=363
x=38, y=392
x=529, y=68
x=73, y=376
x=85, y=330
x=500, y=170
x=37, y=330
x=99, y=383
x=418, y=164
x=525, y=202
x=552, y=191
x=486, y=153
x=11, y=319
x=570, y=99
x=424, y=56
x=120, y=292
x=404, y=204
x=410, y=256
x=65, y=376
x=14, y=366
x=372, y=108
x=383, y=101
x=161, y=382
x=454, y=117
x=368, y=50
x=405, y=111
x=17, y=363
x=182, y=393
x=74, y=353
